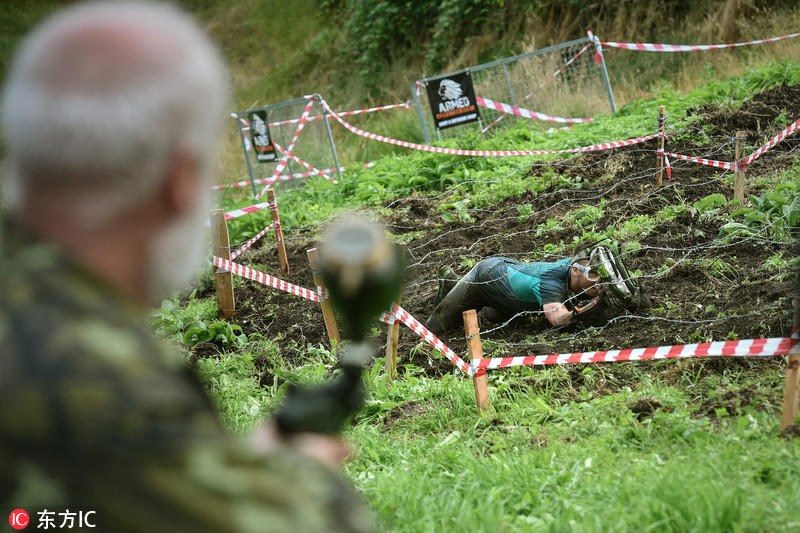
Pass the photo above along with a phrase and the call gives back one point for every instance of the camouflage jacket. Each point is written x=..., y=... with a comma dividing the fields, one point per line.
x=96, y=414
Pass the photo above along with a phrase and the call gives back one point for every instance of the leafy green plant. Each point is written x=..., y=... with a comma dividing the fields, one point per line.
x=219, y=331
x=588, y=214
x=171, y=319
x=709, y=203
x=777, y=210
x=525, y=211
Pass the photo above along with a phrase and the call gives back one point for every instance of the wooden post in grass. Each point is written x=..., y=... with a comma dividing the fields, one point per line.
x=392, y=340
x=327, y=308
x=791, y=393
x=738, y=176
x=222, y=248
x=662, y=130
x=276, y=219
x=475, y=351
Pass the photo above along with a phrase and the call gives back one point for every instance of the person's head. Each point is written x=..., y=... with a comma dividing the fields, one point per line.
x=103, y=103
x=583, y=279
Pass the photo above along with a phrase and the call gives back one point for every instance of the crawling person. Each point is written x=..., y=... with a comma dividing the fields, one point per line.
x=503, y=288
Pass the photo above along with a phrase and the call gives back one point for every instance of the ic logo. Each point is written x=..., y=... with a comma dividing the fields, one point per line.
x=18, y=519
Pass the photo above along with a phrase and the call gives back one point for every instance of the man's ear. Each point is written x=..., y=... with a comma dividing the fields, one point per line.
x=181, y=182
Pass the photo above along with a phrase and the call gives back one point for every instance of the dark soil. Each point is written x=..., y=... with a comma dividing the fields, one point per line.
x=692, y=303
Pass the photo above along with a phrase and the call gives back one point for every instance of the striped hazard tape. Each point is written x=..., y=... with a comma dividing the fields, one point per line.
x=653, y=47
x=484, y=153
x=414, y=325
x=313, y=171
x=742, y=163
x=792, y=128
x=526, y=113
x=284, y=160
x=395, y=314
x=264, y=279
x=287, y=177
x=236, y=213
x=700, y=160
x=740, y=348
x=404, y=105
x=251, y=242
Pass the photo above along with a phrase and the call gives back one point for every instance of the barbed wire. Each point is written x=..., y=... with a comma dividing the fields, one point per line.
x=587, y=331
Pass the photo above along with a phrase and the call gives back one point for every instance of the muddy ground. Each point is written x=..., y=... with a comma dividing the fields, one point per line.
x=697, y=300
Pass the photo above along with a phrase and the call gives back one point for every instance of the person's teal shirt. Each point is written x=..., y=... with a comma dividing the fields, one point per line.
x=540, y=282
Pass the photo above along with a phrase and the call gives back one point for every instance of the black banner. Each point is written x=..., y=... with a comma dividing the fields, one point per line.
x=452, y=100
x=259, y=137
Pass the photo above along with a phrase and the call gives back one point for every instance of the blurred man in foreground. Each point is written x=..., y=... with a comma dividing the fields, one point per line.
x=111, y=115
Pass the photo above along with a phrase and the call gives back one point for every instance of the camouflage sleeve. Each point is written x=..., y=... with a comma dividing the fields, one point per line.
x=94, y=416
x=226, y=487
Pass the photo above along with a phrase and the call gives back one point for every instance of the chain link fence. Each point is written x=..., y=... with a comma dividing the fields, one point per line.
x=564, y=80
x=314, y=146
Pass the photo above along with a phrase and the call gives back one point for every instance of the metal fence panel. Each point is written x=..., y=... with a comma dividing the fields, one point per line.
x=314, y=145
x=563, y=80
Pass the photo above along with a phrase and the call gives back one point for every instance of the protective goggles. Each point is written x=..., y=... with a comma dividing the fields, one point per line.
x=590, y=274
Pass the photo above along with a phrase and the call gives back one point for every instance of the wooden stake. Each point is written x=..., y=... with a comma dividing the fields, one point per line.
x=222, y=248
x=738, y=177
x=327, y=308
x=392, y=340
x=476, y=352
x=662, y=129
x=276, y=219
x=791, y=393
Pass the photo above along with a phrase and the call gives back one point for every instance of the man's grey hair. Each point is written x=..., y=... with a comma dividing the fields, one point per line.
x=99, y=99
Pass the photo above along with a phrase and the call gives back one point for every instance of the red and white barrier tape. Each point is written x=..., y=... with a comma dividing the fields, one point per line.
x=736, y=165
x=521, y=112
x=388, y=318
x=775, y=140
x=415, y=326
x=314, y=171
x=653, y=47
x=700, y=160
x=741, y=348
x=264, y=279
x=251, y=242
x=404, y=105
x=284, y=159
x=396, y=313
x=483, y=153
x=287, y=177
x=236, y=213
x=598, y=47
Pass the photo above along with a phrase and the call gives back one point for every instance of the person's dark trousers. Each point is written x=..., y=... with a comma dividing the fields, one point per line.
x=485, y=287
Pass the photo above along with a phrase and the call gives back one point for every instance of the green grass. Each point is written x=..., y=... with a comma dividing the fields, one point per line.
x=542, y=461
x=565, y=466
